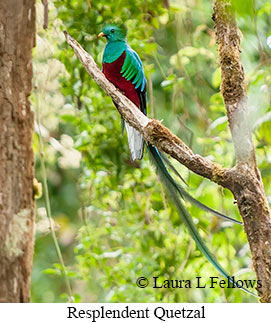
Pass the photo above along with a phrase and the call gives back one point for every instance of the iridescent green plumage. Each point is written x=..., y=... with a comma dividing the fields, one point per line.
x=116, y=42
x=132, y=68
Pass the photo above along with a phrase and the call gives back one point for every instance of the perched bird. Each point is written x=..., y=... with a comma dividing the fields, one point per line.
x=123, y=67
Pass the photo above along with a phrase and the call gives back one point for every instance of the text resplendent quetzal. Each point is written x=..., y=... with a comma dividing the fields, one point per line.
x=123, y=67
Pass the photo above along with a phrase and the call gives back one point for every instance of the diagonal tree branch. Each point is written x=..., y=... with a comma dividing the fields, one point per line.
x=152, y=130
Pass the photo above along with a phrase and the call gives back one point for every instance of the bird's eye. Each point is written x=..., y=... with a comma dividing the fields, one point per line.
x=112, y=31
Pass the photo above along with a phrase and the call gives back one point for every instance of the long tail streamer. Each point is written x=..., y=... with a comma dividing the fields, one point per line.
x=174, y=191
x=187, y=196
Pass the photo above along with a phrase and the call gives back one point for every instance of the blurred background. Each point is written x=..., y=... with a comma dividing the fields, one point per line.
x=113, y=220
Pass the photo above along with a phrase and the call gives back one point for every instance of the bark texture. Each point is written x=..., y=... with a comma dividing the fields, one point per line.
x=17, y=37
x=244, y=179
x=246, y=185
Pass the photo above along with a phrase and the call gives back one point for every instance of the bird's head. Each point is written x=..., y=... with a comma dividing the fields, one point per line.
x=114, y=32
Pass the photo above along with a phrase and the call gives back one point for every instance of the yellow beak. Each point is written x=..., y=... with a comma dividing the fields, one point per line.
x=101, y=34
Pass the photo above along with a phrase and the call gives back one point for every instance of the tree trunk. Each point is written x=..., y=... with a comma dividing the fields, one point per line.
x=246, y=183
x=17, y=37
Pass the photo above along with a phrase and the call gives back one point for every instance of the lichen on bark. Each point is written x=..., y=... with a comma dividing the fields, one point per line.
x=246, y=182
x=17, y=33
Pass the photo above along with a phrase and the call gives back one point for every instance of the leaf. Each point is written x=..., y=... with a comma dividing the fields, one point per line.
x=69, y=118
x=51, y=271
x=216, y=78
x=189, y=51
x=263, y=119
x=169, y=81
x=243, y=7
x=217, y=122
x=112, y=254
x=266, y=8
x=99, y=129
x=265, y=131
x=76, y=298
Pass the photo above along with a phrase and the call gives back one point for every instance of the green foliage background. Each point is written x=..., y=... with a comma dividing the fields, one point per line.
x=113, y=220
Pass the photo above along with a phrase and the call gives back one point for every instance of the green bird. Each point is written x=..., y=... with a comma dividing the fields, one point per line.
x=123, y=67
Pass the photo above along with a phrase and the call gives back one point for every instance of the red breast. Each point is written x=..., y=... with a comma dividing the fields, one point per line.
x=113, y=74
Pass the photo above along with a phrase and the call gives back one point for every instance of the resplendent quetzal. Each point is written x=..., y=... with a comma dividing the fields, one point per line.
x=123, y=67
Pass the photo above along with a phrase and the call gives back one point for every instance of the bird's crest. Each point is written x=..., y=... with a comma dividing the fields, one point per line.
x=115, y=30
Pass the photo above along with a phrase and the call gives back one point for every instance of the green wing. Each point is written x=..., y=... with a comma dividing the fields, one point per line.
x=132, y=69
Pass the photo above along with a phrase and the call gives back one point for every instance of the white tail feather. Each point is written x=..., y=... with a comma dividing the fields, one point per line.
x=135, y=141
